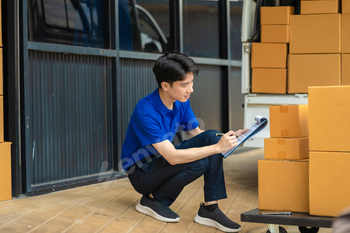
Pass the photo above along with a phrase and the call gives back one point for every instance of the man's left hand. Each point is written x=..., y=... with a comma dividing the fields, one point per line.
x=240, y=132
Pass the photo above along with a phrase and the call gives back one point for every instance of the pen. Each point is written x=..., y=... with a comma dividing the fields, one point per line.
x=220, y=134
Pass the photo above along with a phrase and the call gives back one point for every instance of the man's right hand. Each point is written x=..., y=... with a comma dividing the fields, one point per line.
x=227, y=141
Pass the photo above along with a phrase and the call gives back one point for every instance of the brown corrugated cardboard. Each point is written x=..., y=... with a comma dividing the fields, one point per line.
x=1, y=119
x=306, y=70
x=319, y=7
x=329, y=111
x=269, y=55
x=283, y=185
x=275, y=33
x=289, y=121
x=286, y=148
x=345, y=36
x=315, y=33
x=275, y=15
x=269, y=80
x=345, y=8
x=329, y=183
x=345, y=74
x=5, y=171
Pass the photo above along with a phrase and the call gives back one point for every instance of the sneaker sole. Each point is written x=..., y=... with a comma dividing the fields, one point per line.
x=148, y=211
x=211, y=223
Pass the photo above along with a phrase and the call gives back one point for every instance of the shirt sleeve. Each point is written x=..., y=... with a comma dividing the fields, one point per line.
x=189, y=120
x=148, y=129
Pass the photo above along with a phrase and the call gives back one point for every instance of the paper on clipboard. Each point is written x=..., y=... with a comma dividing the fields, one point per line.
x=259, y=125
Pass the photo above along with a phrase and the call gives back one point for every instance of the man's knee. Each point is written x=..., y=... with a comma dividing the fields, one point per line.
x=211, y=136
x=199, y=166
x=211, y=132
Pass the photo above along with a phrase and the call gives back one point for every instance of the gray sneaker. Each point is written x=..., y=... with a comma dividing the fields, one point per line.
x=157, y=210
x=216, y=219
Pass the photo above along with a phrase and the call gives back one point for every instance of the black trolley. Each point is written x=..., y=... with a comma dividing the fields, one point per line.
x=306, y=222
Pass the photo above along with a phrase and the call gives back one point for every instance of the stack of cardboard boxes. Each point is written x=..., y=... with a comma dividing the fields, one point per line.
x=315, y=46
x=345, y=42
x=329, y=111
x=320, y=185
x=5, y=147
x=269, y=58
x=318, y=64
x=284, y=173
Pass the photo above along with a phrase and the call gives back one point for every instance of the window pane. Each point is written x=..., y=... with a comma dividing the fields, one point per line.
x=236, y=29
x=55, y=13
x=138, y=25
x=72, y=22
x=201, y=28
x=159, y=9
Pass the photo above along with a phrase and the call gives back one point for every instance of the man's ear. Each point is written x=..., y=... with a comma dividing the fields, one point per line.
x=165, y=86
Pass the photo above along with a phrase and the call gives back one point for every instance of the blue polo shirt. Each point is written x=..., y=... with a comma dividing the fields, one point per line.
x=152, y=122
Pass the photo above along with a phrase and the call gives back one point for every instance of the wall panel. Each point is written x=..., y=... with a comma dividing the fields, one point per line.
x=71, y=115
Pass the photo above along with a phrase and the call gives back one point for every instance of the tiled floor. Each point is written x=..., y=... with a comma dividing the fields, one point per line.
x=110, y=206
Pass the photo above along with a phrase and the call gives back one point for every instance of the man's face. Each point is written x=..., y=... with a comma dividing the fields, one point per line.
x=181, y=90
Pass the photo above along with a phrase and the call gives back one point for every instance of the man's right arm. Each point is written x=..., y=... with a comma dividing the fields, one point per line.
x=178, y=156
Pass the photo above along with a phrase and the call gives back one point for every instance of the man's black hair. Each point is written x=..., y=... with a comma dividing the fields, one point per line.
x=172, y=67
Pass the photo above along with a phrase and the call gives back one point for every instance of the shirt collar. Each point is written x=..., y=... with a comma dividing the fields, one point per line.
x=158, y=101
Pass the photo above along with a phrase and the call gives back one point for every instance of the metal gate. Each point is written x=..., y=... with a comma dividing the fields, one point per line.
x=69, y=118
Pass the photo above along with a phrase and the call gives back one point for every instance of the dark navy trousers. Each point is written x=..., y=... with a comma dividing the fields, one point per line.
x=166, y=181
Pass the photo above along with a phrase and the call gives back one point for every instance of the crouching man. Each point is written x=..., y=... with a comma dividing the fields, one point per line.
x=159, y=170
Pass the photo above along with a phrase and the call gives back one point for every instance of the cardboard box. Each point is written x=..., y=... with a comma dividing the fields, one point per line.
x=345, y=6
x=5, y=171
x=275, y=33
x=283, y=185
x=289, y=121
x=269, y=55
x=306, y=70
x=345, y=36
x=1, y=119
x=269, y=80
x=275, y=14
x=345, y=74
x=315, y=33
x=286, y=148
x=329, y=183
x=329, y=110
x=319, y=7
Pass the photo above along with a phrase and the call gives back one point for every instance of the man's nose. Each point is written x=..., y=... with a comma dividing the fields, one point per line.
x=190, y=90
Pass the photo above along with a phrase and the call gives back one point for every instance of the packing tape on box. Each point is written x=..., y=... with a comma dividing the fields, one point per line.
x=281, y=154
x=281, y=142
x=284, y=133
x=284, y=109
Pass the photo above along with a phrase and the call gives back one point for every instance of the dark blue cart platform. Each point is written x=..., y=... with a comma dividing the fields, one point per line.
x=306, y=222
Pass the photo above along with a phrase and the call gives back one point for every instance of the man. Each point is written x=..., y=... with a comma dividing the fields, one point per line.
x=160, y=171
